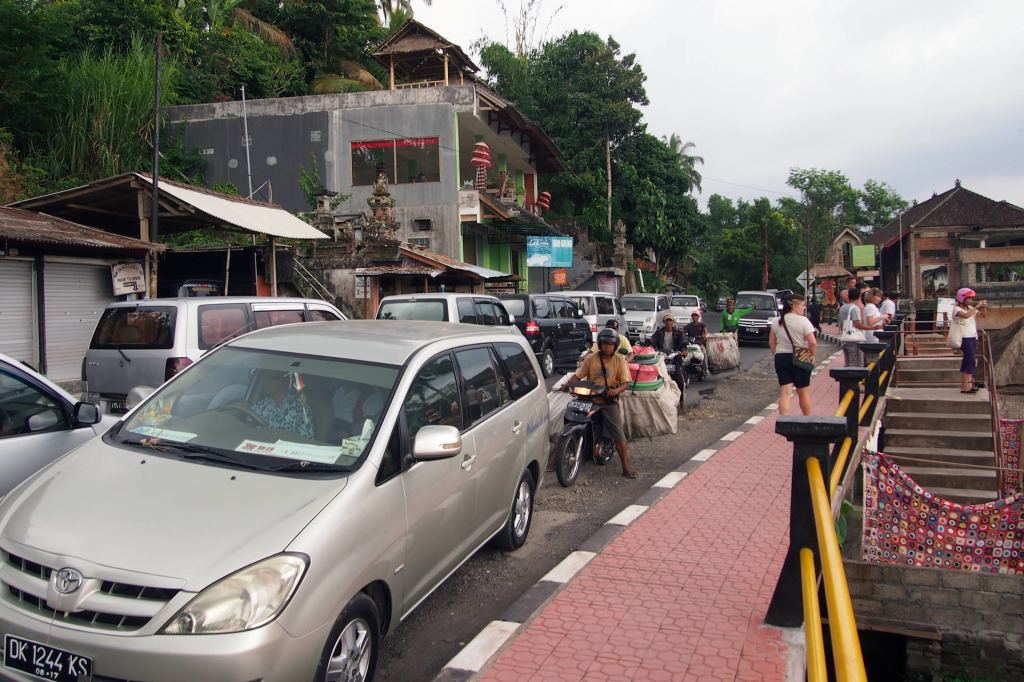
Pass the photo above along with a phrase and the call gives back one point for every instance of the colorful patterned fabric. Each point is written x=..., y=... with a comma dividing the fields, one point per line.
x=906, y=524
x=1008, y=458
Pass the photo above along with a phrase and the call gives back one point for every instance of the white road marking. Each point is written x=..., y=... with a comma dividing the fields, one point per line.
x=670, y=479
x=704, y=455
x=627, y=515
x=476, y=654
x=570, y=566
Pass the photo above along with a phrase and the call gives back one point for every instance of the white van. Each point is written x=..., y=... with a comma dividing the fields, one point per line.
x=145, y=343
x=445, y=307
x=598, y=307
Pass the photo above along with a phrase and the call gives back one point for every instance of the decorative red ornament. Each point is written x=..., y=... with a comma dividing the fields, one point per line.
x=481, y=155
x=544, y=200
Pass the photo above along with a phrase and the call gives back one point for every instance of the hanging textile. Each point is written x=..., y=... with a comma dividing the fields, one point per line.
x=905, y=524
x=1008, y=477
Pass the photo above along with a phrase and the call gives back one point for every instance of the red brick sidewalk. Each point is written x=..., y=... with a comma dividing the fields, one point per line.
x=681, y=593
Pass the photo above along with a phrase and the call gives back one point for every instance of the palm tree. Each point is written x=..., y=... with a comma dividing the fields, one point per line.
x=220, y=11
x=688, y=162
x=390, y=7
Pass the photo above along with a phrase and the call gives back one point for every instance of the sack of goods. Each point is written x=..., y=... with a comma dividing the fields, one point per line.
x=650, y=410
x=645, y=355
x=723, y=351
x=643, y=374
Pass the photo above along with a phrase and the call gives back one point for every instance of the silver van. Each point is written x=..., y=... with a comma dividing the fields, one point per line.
x=145, y=343
x=598, y=307
x=445, y=307
x=644, y=313
x=277, y=535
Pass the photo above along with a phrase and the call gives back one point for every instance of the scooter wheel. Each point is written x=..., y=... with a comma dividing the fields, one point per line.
x=568, y=458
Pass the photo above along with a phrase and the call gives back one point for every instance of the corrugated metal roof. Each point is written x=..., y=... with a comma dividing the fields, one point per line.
x=38, y=228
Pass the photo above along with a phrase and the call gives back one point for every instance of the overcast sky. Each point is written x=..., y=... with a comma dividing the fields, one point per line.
x=915, y=93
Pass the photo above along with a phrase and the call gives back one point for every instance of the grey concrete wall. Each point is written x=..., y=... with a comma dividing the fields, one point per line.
x=285, y=132
x=978, y=618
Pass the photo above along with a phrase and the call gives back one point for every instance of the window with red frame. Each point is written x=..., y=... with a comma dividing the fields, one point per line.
x=409, y=160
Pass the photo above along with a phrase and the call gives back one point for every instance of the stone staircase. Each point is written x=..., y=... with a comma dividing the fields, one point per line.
x=928, y=418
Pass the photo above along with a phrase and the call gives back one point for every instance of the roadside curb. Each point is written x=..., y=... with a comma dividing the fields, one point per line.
x=482, y=649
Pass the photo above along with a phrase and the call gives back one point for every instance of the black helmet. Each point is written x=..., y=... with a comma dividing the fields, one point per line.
x=612, y=324
x=607, y=336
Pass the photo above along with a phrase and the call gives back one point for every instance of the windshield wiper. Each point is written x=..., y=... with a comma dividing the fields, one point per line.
x=118, y=349
x=194, y=451
x=303, y=465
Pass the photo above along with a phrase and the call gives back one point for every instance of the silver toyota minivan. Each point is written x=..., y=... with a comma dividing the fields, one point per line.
x=276, y=508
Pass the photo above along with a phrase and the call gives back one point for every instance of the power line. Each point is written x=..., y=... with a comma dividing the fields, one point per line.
x=756, y=189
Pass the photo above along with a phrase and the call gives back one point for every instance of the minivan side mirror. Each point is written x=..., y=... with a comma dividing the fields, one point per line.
x=436, y=442
x=86, y=414
x=579, y=312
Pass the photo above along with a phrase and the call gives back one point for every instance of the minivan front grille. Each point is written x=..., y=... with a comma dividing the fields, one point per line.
x=34, y=600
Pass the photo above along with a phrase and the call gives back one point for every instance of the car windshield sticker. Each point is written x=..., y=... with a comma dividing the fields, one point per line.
x=304, y=452
x=163, y=434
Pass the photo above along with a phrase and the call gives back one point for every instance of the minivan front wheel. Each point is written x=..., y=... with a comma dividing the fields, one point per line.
x=547, y=362
x=353, y=645
x=513, y=535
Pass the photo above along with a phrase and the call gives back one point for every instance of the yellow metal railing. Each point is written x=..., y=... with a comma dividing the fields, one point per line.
x=848, y=659
x=817, y=671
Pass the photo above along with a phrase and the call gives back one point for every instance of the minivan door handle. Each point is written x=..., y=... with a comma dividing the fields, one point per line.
x=467, y=461
x=517, y=426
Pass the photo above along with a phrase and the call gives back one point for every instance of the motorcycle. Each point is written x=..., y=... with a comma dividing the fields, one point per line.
x=694, y=365
x=580, y=432
x=675, y=372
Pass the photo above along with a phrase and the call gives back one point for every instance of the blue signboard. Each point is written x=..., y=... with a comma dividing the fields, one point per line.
x=549, y=252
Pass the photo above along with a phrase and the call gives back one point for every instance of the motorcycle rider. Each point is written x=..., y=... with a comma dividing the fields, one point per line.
x=668, y=340
x=625, y=348
x=609, y=369
x=698, y=331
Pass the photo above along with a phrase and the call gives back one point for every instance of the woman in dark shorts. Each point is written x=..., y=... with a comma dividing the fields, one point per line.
x=965, y=314
x=789, y=329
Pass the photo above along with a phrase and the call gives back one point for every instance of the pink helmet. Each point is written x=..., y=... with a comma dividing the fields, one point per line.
x=963, y=294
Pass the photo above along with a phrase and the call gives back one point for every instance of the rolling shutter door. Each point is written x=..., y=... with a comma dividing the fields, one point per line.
x=17, y=321
x=76, y=295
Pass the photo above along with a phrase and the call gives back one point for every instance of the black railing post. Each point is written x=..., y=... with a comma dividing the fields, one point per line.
x=811, y=437
x=850, y=378
x=888, y=361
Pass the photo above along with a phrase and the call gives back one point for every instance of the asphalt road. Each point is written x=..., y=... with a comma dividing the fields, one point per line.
x=564, y=518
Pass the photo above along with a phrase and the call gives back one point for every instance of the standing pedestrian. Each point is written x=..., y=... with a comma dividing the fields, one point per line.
x=888, y=305
x=814, y=312
x=965, y=314
x=792, y=331
x=872, y=315
x=854, y=312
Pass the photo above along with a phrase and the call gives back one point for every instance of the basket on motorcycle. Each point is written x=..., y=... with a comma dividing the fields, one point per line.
x=647, y=385
x=645, y=355
x=643, y=373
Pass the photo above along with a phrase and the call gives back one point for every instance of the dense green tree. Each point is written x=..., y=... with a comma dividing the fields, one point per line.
x=880, y=204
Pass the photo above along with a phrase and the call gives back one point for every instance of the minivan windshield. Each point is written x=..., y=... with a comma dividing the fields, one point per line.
x=266, y=410
x=687, y=301
x=757, y=301
x=422, y=309
x=637, y=303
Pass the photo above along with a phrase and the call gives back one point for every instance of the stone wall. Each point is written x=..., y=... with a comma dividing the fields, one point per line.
x=957, y=622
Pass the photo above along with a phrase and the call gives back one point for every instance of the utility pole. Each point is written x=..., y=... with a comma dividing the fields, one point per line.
x=764, y=249
x=154, y=206
x=608, y=168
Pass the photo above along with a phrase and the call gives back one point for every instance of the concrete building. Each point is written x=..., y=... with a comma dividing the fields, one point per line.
x=421, y=132
x=958, y=238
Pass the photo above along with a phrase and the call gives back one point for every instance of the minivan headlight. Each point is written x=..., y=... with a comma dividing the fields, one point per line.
x=245, y=600
x=649, y=324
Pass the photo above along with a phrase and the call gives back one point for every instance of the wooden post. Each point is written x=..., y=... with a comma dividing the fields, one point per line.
x=273, y=268
x=446, y=67
x=227, y=269
x=391, y=70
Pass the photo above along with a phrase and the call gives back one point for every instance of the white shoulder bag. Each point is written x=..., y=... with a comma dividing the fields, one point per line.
x=851, y=334
x=956, y=333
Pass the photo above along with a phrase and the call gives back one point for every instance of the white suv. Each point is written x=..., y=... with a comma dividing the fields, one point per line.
x=438, y=307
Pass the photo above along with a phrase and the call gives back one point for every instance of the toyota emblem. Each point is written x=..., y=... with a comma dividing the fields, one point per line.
x=67, y=580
